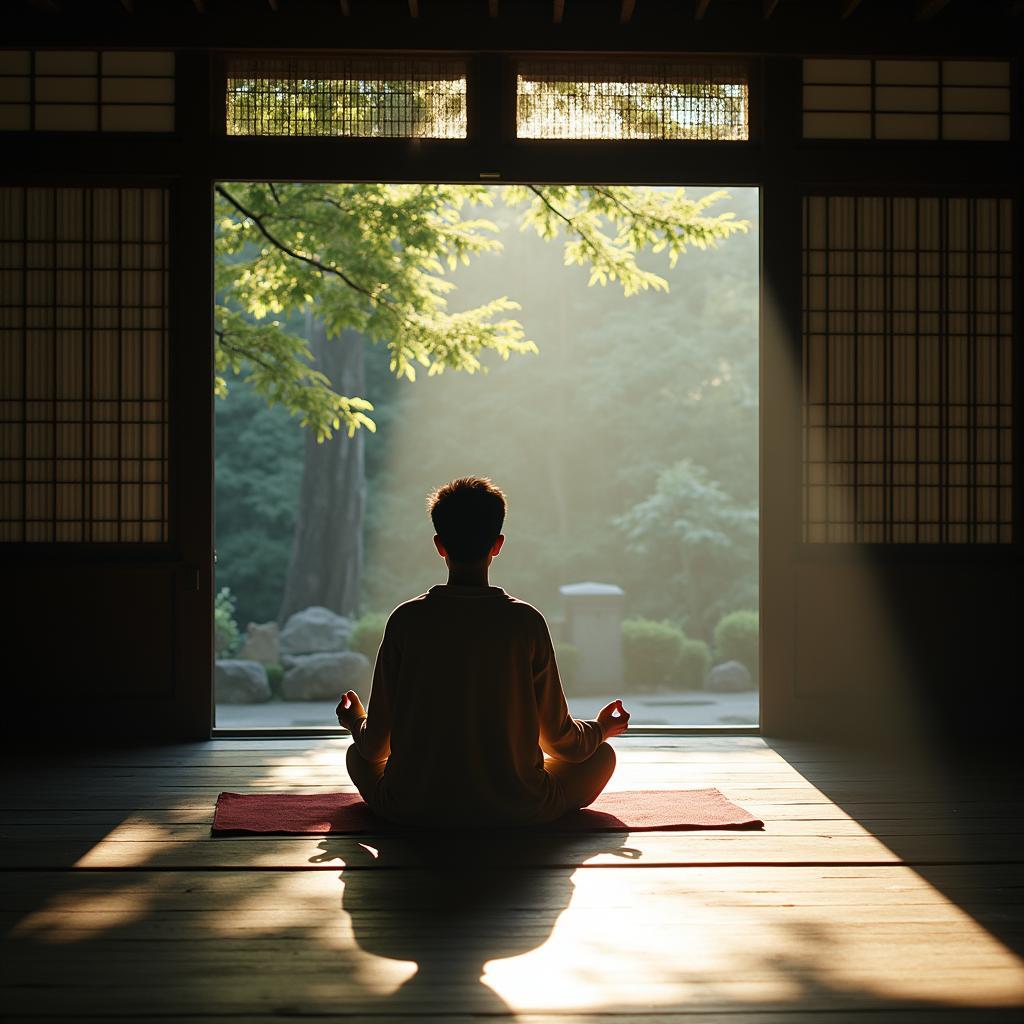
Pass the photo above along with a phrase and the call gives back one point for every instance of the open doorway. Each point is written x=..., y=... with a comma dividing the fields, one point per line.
x=618, y=411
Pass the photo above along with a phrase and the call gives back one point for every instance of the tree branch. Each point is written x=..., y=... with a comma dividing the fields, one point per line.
x=662, y=222
x=389, y=307
x=594, y=248
x=294, y=253
x=224, y=343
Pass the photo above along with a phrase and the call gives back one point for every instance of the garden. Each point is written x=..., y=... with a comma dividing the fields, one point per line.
x=618, y=413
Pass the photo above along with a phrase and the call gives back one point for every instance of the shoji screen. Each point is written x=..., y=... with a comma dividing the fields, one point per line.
x=948, y=100
x=86, y=91
x=83, y=364
x=907, y=370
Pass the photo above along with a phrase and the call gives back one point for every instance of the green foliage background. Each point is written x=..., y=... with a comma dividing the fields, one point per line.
x=627, y=445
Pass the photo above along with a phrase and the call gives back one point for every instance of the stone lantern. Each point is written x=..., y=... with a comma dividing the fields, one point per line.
x=593, y=624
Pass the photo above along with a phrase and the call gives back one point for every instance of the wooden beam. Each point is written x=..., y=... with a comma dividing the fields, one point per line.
x=557, y=11
x=346, y=10
x=927, y=9
x=274, y=5
x=847, y=8
x=700, y=9
x=199, y=5
x=414, y=8
x=128, y=6
x=492, y=8
x=768, y=8
x=627, y=11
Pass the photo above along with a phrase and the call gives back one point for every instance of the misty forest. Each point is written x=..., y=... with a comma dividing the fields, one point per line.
x=618, y=413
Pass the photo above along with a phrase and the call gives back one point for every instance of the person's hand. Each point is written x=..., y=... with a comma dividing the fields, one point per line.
x=614, y=719
x=350, y=710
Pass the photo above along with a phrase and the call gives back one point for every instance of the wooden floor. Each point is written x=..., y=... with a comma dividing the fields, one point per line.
x=876, y=893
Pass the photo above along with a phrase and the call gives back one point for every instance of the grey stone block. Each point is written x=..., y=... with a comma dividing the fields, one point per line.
x=325, y=676
x=237, y=681
x=729, y=677
x=314, y=630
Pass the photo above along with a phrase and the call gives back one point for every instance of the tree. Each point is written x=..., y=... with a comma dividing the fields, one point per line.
x=326, y=563
x=697, y=537
x=259, y=464
x=578, y=434
x=375, y=260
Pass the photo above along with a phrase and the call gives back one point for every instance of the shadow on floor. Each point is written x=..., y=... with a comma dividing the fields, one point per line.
x=955, y=818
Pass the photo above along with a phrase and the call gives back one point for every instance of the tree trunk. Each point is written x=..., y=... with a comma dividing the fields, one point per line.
x=327, y=551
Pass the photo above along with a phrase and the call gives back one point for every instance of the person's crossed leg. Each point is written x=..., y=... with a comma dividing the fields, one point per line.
x=364, y=774
x=582, y=782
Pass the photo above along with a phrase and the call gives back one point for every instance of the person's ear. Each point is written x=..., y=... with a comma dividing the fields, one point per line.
x=496, y=547
x=440, y=547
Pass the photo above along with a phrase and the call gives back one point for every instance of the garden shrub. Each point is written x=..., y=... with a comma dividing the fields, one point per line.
x=652, y=652
x=225, y=629
x=736, y=639
x=275, y=673
x=367, y=634
x=694, y=663
x=567, y=657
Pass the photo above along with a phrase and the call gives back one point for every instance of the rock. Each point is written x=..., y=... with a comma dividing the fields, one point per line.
x=261, y=643
x=314, y=630
x=325, y=676
x=237, y=681
x=729, y=677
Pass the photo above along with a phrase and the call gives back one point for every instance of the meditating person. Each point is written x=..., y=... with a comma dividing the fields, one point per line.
x=466, y=699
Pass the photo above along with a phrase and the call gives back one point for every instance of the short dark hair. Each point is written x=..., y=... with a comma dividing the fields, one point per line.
x=467, y=514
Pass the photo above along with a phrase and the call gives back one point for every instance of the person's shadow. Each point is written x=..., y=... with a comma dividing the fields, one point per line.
x=450, y=902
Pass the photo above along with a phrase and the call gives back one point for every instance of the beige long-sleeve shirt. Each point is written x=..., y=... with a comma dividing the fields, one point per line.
x=465, y=702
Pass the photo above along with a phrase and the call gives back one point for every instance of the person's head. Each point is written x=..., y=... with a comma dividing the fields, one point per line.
x=467, y=514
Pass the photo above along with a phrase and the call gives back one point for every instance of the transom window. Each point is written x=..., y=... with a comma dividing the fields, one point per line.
x=340, y=96
x=652, y=100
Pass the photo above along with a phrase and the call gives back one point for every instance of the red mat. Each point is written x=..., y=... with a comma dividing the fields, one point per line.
x=648, y=810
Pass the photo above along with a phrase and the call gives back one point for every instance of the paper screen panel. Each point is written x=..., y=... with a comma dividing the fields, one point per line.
x=907, y=370
x=83, y=364
x=908, y=100
x=87, y=91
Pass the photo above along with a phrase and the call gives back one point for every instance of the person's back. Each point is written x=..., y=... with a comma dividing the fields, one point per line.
x=466, y=694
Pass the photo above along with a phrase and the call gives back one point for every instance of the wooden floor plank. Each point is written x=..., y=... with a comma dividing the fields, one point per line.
x=875, y=893
x=879, y=819
x=633, y=850
x=139, y=827
x=710, y=941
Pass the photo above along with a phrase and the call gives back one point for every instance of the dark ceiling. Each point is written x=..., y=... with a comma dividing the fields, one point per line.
x=739, y=26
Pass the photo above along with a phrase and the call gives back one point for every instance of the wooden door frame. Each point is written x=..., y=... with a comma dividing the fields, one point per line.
x=776, y=160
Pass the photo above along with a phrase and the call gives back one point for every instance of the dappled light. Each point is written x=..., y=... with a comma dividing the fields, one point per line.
x=823, y=909
x=77, y=917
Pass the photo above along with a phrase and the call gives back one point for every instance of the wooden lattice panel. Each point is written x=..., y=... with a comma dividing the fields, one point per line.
x=86, y=91
x=633, y=100
x=907, y=370
x=83, y=364
x=948, y=100
x=357, y=97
